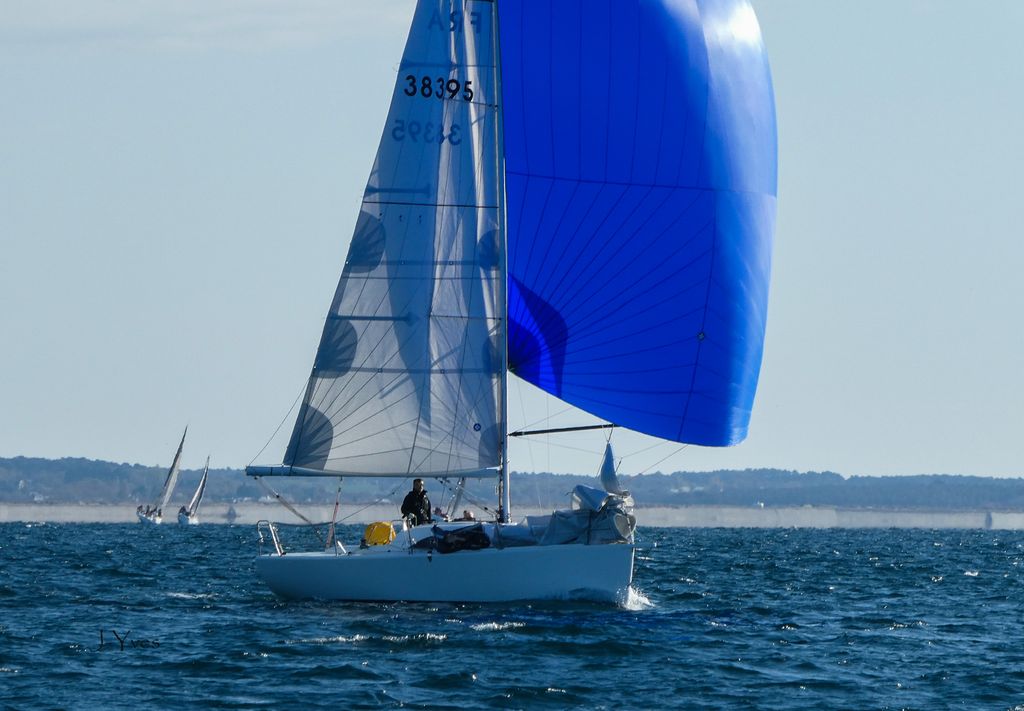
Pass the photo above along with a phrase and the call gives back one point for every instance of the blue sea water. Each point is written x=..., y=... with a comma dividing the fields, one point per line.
x=723, y=619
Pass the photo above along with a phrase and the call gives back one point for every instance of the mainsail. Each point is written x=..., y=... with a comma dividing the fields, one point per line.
x=172, y=476
x=635, y=145
x=407, y=375
x=197, y=498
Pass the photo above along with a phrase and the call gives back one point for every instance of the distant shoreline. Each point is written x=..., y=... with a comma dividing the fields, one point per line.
x=249, y=513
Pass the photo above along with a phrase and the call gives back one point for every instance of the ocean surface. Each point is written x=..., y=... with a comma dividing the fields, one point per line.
x=121, y=616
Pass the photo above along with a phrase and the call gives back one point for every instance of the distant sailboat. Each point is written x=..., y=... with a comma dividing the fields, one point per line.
x=187, y=515
x=153, y=515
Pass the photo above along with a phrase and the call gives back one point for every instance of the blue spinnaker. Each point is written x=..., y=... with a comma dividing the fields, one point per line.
x=641, y=162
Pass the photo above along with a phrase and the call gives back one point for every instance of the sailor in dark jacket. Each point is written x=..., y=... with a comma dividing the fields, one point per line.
x=416, y=506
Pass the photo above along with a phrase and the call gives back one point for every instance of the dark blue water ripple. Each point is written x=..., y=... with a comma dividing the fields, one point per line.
x=772, y=619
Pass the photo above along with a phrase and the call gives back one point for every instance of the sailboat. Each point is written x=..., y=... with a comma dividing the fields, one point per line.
x=578, y=194
x=189, y=515
x=153, y=515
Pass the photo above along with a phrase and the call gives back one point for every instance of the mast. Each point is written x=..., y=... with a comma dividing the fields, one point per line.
x=505, y=502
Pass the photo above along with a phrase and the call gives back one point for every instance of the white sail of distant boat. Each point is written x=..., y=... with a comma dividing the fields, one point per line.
x=154, y=514
x=581, y=195
x=189, y=515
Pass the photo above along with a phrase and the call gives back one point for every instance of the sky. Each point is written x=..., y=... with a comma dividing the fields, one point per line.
x=179, y=182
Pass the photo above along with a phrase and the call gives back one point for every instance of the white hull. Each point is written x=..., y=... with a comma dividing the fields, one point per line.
x=560, y=572
x=186, y=520
x=151, y=520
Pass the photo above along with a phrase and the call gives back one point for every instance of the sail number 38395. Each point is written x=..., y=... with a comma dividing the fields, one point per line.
x=427, y=132
x=440, y=88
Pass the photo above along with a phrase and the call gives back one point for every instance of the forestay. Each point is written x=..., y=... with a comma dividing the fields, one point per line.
x=407, y=375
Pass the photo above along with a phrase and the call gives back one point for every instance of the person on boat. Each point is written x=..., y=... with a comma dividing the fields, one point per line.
x=467, y=515
x=416, y=506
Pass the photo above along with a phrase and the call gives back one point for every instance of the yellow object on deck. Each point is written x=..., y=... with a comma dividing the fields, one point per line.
x=379, y=533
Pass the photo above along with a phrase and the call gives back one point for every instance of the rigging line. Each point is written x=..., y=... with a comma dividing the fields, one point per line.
x=549, y=445
x=645, y=449
x=547, y=404
x=522, y=412
x=547, y=417
x=283, y=502
x=470, y=497
x=386, y=496
x=281, y=424
x=332, y=536
x=671, y=454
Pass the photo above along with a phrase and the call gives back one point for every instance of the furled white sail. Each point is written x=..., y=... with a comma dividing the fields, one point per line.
x=407, y=377
x=609, y=479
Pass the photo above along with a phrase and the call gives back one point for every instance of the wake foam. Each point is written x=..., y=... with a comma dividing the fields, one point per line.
x=636, y=600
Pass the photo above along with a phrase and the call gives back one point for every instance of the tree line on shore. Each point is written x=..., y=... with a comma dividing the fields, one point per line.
x=75, y=480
